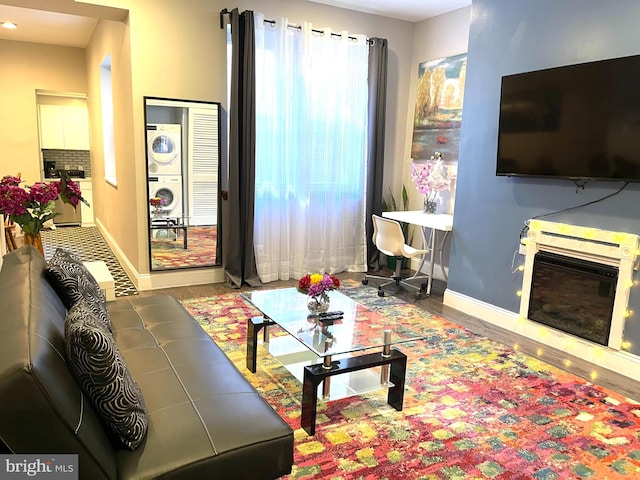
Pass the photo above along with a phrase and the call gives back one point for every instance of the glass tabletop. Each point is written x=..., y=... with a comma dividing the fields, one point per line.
x=359, y=329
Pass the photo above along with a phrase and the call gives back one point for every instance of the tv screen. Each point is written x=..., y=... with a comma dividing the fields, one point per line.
x=579, y=121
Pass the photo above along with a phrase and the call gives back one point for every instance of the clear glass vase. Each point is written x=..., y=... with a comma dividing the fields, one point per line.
x=430, y=205
x=318, y=303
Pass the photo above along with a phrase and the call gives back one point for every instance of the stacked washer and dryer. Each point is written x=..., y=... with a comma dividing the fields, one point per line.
x=164, y=143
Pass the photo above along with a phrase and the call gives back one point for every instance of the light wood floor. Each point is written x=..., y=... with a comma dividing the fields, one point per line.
x=433, y=304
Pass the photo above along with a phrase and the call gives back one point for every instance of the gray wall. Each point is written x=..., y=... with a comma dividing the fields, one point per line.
x=512, y=36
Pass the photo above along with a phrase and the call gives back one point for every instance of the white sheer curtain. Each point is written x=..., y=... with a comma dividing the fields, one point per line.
x=311, y=114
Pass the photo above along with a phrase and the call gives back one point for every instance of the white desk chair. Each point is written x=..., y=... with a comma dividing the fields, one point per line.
x=389, y=239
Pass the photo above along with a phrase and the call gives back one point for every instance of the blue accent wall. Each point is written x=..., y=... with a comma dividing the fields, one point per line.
x=512, y=36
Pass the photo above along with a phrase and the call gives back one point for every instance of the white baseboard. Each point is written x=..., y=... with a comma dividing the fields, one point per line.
x=115, y=248
x=618, y=361
x=182, y=278
x=437, y=270
x=164, y=279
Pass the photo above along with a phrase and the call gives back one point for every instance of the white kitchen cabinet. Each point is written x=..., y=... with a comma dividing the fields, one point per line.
x=87, y=193
x=64, y=127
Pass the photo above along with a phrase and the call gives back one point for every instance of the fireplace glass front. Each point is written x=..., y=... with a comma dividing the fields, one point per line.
x=573, y=295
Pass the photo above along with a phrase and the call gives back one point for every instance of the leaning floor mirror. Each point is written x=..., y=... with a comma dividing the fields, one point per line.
x=183, y=191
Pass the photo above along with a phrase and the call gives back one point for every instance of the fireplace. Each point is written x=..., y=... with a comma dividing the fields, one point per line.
x=573, y=295
x=613, y=253
x=577, y=281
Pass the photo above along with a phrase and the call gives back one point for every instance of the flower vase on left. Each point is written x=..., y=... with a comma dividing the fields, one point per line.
x=35, y=240
x=318, y=303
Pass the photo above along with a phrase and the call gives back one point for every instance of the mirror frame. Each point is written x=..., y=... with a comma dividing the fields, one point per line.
x=178, y=113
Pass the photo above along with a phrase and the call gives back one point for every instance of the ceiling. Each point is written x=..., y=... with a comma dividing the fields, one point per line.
x=68, y=23
x=409, y=10
x=72, y=30
x=39, y=26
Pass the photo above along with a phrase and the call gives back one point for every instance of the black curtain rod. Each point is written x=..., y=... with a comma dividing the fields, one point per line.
x=299, y=28
x=224, y=12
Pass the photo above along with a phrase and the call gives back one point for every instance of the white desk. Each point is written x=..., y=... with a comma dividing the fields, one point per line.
x=433, y=222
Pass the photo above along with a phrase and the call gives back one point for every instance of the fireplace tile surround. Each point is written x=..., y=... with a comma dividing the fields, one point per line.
x=606, y=247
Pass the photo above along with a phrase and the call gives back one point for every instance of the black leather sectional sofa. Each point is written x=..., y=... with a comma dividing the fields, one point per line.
x=205, y=421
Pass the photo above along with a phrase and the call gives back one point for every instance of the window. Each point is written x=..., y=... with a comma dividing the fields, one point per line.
x=107, y=121
x=311, y=119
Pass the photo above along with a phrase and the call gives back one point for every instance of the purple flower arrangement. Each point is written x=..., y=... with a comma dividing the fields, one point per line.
x=157, y=203
x=431, y=176
x=317, y=284
x=32, y=206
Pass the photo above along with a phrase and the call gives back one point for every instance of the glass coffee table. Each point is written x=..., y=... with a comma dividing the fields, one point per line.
x=163, y=226
x=350, y=337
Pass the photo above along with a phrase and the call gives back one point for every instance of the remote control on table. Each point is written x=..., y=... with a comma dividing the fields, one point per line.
x=330, y=317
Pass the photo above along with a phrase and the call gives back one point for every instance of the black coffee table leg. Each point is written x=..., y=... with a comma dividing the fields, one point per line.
x=397, y=376
x=315, y=374
x=254, y=325
x=309, y=401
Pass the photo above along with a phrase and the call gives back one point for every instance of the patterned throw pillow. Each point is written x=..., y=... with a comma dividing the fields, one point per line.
x=73, y=281
x=99, y=367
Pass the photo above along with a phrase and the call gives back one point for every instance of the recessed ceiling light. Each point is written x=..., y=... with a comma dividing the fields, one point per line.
x=9, y=25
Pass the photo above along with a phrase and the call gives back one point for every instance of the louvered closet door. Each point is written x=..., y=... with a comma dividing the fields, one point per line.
x=202, y=162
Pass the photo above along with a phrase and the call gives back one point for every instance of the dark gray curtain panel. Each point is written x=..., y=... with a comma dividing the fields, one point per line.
x=240, y=262
x=378, y=54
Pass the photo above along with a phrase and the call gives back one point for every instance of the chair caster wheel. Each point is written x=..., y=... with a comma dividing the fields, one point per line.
x=380, y=293
x=365, y=282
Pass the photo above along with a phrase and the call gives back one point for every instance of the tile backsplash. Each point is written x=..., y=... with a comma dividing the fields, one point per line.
x=69, y=159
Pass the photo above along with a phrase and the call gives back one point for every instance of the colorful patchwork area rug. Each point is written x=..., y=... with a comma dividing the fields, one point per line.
x=473, y=408
x=167, y=247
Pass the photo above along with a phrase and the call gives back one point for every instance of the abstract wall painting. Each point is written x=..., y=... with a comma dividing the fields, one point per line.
x=438, y=111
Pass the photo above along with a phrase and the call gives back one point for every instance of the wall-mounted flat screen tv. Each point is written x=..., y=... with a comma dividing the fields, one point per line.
x=580, y=122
